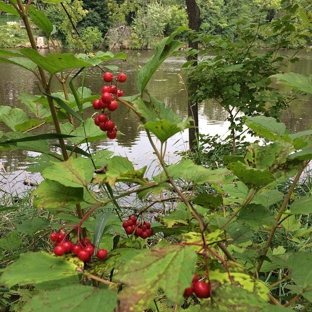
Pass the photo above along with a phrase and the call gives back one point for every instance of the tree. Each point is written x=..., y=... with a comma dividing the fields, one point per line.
x=193, y=13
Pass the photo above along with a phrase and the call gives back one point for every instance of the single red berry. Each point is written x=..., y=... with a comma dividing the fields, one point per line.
x=61, y=236
x=130, y=229
x=108, y=77
x=147, y=224
x=121, y=77
x=102, y=118
x=89, y=249
x=195, y=279
x=59, y=250
x=113, y=89
x=106, y=89
x=188, y=291
x=144, y=234
x=97, y=121
x=103, y=126
x=83, y=255
x=149, y=232
x=111, y=134
x=76, y=249
x=109, y=125
x=127, y=223
x=102, y=253
x=133, y=218
x=103, y=104
x=120, y=93
x=87, y=240
x=106, y=97
x=54, y=236
x=113, y=105
x=67, y=245
x=96, y=104
x=202, y=289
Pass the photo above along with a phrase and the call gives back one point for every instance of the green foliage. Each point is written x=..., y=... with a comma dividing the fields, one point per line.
x=224, y=224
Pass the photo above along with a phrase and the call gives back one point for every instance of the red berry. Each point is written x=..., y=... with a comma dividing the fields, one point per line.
x=102, y=253
x=61, y=236
x=147, y=224
x=144, y=234
x=103, y=104
x=202, y=289
x=109, y=125
x=84, y=256
x=106, y=97
x=67, y=245
x=106, y=89
x=120, y=93
x=76, y=249
x=59, y=250
x=111, y=134
x=97, y=121
x=102, y=118
x=108, y=77
x=54, y=236
x=89, y=249
x=103, y=126
x=87, y=240
x=113, y=89
x=121, y=77
x=113, y=105
x=133, y=218
x=195, y=279
x=188, y=291
x=96, y=104
x=149, y=232
x=130, y=229
x=138, y=231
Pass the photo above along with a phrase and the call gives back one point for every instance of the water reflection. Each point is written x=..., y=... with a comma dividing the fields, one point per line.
x=167, y=85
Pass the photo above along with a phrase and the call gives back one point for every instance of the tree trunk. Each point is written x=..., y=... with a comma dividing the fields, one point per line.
x=193, y=13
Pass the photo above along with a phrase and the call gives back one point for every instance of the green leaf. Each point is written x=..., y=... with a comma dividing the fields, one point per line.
x=164, y=129
x=65, y=106
x=76, y=172
x=11, y=241
x=255, y=216
x=100, y=227
x=180, y=216
x=252, y=177
x=51, y=194
x=295, y=81
x=169, y=268
x=54, y=62
x=164, y=49
x=302, y=205
x=209, y=201
x=31, y=226
x=37, y=267
x=15, y=117
x=188, y=171
x=9, y=8
x=21, y=62
x=40, y=19
x=74, y=298
x=266, y=127
x=33, y=103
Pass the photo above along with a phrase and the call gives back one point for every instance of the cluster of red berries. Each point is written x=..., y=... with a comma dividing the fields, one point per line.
x=142, y=229
x=108, y=101
x=199, y=288
x=84, y=249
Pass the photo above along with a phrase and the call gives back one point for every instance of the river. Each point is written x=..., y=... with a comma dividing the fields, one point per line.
x=167, y=85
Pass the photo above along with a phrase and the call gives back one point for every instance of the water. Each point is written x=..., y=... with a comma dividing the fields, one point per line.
x=167, y=85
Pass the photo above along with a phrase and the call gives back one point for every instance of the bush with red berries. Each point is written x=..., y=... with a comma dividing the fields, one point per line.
x=108, y=102
x=83, y=248
x=139, y=229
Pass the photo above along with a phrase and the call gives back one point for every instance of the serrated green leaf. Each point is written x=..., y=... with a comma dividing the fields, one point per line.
x=302, y=205
x=169, y=268
x=11, y=241
x=37, y=267
x=76, y=172
x=54, y=62
x=266, y=127
x=31, y=226
x=74, y=298
x=51, y=194
x=295, y=81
